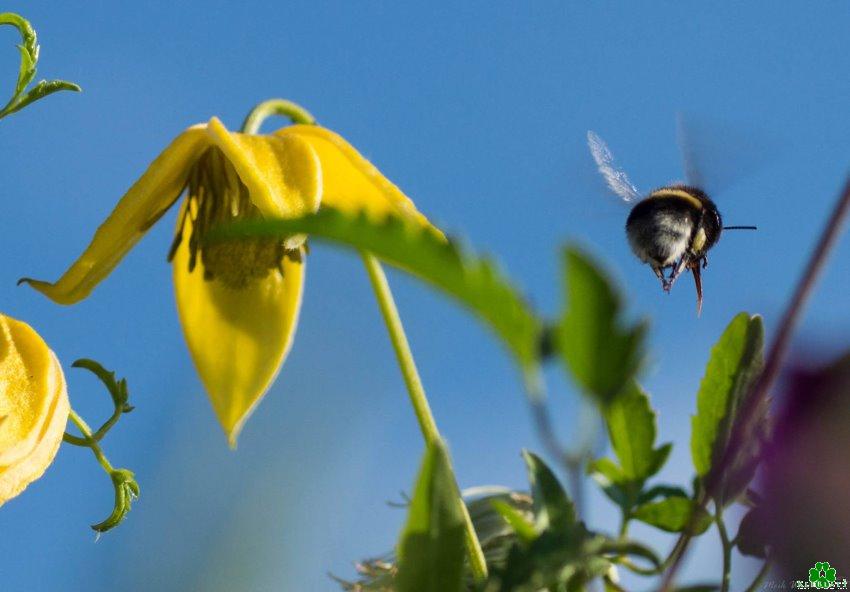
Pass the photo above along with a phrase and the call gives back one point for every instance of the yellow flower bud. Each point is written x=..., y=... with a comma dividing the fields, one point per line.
x=33, y=406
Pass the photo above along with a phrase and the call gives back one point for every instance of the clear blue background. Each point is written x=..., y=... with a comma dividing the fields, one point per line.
x=479, y=112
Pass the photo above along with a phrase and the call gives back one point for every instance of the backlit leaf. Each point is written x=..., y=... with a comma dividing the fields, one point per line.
x=553, y=509
x=601, y=351
x=431, y=550
x=673, y=514
x=632, y=427
x=736, y=360
x=474, y=281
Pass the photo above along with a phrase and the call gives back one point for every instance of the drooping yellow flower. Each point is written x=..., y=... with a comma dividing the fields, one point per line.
x=33, y=406
x=238, y=302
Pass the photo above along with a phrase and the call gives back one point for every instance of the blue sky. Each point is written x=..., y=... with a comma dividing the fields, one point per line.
x=479, y=112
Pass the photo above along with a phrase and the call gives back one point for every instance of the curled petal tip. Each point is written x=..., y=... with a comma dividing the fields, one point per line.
x=50, y=290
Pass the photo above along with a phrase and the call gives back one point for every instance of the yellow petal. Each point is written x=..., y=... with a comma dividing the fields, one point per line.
x=281, y=174
x=144, y=204
x=350, y=182
x=25, y=396
x=238, y=338
x=48, y=384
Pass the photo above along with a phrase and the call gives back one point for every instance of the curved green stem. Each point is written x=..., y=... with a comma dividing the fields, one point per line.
x=677, y=550
x=96, y=436
x=417, y=394
x=635, y=568
x=88, y=440
x=727, y=551
x=123, y=481
x=296, y=113
x=765, y=569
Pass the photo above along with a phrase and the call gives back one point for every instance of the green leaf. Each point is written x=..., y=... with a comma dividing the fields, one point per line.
x=673, y=515
x=606, y=468
x=599, y=349
x=516, y=519
x=431, y=549
x=736, y=360
x=29, y=51
x=608, y=476
x=632, y=427
x=39, y=91
x=474, y=281
x=553, y=509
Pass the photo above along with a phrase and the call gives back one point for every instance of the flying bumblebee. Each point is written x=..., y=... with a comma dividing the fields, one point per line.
x=672, y=227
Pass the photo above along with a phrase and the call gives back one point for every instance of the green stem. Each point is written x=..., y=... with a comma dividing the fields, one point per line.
x=402, y=349
x=765, y=569
x=624, y=525
x=642, y=571
x=417, y=393
x=107, y=425
x=98, y=435
x=87, y=440
x=727, y=551
x=677, y=550
x=296, y=113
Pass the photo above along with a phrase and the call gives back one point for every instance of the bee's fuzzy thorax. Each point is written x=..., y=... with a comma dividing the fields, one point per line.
x=665, y=224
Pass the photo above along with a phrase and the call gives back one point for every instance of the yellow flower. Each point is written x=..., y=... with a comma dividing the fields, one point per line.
x=33, y=406
x=238, y=302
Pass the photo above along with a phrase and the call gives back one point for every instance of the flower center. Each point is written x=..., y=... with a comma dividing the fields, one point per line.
x=217, y=196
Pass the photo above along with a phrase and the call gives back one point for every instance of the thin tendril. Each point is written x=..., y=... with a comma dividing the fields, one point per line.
x=296, y=114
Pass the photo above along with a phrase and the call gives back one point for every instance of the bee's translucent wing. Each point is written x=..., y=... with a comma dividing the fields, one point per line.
x=615, y=178
x=690, y=164
x=717, y=155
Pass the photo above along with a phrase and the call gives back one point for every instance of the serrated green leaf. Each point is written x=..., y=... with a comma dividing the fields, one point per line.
x=673, y=515
x=474, y=281
x=431, y=549
x=28, y=50
x=39, y=91
x=735, y=362
x=631, y=424
x=602, y=353
x=553, y=509
x=632, y=427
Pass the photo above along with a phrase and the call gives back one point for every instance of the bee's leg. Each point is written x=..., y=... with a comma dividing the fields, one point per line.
x=680, y=267
x=659, y=273
x=704, y=259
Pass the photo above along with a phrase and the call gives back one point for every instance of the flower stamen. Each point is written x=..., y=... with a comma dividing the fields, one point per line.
x=217, y=196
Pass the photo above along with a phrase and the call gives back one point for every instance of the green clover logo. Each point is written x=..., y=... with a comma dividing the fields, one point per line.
x=822, y=575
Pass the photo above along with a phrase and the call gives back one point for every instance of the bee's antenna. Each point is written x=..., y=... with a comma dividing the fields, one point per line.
x=740, y=228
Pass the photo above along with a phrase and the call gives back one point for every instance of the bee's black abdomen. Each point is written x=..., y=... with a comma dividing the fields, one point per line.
x=659, y=230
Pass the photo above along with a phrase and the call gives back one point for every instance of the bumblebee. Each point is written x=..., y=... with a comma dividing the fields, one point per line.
x=671, y=228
